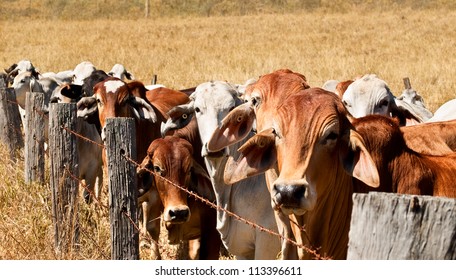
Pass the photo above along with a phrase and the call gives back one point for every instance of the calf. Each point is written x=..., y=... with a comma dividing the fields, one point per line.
x=185, y=217
x=401, y=169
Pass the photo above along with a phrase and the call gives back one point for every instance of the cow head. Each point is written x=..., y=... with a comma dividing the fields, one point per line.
x=312, y=145
x=168, y=163
x=259, y=98
x=23, y=83
x=210, y=103
x=114, y=98
x=119, y=71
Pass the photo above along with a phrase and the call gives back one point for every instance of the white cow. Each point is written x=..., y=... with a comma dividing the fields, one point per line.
x=371, y=95
x=27, y=82
x=250, y=198
x=82, y=71
x=445, y=112
x=119, y=71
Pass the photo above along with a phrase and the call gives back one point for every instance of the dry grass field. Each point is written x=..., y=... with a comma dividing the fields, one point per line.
x=183, y=51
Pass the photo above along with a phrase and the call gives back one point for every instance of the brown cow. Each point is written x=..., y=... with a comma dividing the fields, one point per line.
x=115, y=98
x=185, y=217
x=304, y=138
x=401, y=169
x=261, y=96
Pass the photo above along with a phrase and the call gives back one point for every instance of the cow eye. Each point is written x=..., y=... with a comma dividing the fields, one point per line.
x=383, y=103
x=346, y=103
x=332, y=136
x=184, y=116
x=197, y=109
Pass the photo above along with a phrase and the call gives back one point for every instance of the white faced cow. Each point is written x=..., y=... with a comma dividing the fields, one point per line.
x=210, y=103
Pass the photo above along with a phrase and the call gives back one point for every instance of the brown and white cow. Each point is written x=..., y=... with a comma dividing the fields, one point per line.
x=115, y=98
x=185, y=217
x=401, y=169
x=307, y=145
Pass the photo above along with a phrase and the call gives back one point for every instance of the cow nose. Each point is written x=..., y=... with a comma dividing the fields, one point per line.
x=179, y=215
x=289, y=196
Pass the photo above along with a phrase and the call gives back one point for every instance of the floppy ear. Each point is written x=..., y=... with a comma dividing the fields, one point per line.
x=146, y=179
x=257, y=155
x=179, y=117
x=235, y=127
x=142, y=109
x=357, y=161
x=129, y=75
x=200, y=182
x=87, y=107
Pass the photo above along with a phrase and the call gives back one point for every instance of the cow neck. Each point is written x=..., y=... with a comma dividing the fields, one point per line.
x=328, y=224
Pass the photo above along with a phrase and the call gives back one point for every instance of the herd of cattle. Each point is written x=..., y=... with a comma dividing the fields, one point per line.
x=275, y=151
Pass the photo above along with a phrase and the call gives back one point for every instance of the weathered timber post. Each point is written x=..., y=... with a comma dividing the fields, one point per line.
x=34, y=137
x=407, y=84
x=154, y=79
x=10, y=121
x=63, y=176
x=386, y=226
x=123, y=194
x=147, y=8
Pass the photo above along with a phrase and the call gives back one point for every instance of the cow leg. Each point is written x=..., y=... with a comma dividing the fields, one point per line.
x=289, y=251
x=152, y=209
x=298, y=233
x=194, y=248
x=210, y=237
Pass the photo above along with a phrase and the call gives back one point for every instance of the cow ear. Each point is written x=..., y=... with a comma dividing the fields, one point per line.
x=200, y=182
x=257, y=155
x=179, y=117
x=235, y=127
x=143, y=110
x=146, y=179
x=357, y=161
x=87, y=107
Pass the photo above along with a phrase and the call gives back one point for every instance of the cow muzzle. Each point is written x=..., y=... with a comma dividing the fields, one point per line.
x=293, y=197
x=176, y=215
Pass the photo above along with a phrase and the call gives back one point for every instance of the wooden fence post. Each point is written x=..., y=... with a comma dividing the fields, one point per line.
x=387, y=226
x=10, y=121
x=34, y=137
x=64, y=171
x=123, y=194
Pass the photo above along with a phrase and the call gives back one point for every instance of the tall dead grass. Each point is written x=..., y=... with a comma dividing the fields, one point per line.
x=183, y=52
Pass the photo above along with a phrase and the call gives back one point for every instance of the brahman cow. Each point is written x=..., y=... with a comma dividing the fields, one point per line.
x=307, y=144
x=263, y=95
x=209, y=104
x=115, y=98
x=371, y=95
x=446, y=112
x=184, y=216
x=18, y=68
x=119, y=71
x=401, y=169
x=82, y=71
x=27, y=82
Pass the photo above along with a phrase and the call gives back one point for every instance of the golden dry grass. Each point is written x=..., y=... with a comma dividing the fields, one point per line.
x=183, y=52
